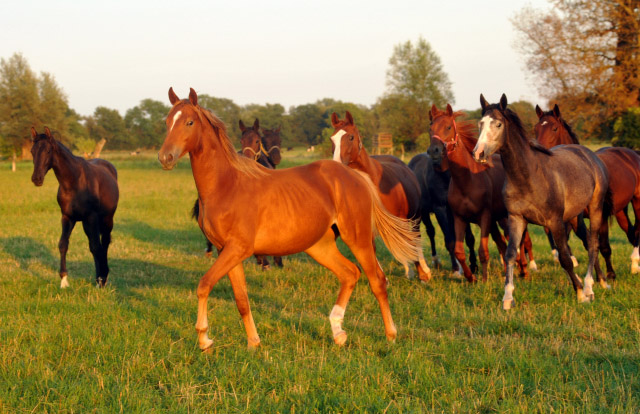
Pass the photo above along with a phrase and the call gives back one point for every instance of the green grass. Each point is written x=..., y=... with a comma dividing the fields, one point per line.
x=132, y=346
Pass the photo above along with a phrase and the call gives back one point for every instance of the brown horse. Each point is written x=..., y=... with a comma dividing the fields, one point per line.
x=88, y=192
x=475, y=191
x=294, y=209
x=624, y=180
x=397, y=185
x=252, y=147
x=271, y=142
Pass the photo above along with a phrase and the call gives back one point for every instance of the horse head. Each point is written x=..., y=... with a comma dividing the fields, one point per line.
x=444, y=135
x=346, y=142
x=251, y=140
x=44, y=145
x=492, y=129
x=272, y=141
x=184, y=126
x=552, y=130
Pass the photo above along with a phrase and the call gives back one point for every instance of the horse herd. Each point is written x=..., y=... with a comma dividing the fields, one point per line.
x=494, y=176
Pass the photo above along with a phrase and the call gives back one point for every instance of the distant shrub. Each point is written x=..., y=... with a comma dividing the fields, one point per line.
x=626, y=129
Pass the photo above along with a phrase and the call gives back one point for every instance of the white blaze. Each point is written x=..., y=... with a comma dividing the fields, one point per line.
x=484, y=133
x=175, y=118
x=337, y=140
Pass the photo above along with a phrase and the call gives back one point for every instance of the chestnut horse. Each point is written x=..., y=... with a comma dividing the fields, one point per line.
x=475, y=192
x=624, y=184
x=397, y=185
x=88, y=192
x=544, y=187
x=294, y=210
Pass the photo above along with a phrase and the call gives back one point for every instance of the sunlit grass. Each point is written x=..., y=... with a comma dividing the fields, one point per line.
x=132, y=346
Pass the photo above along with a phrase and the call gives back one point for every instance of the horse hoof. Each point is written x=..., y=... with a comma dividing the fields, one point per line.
x=64, y=282
x=341, y=338
x=582, y=298
x=208, y=254
x=253, y=343
x=457, y=275
x=206, y=345
x=575, y=261
x=533, y=266
x=508, y=304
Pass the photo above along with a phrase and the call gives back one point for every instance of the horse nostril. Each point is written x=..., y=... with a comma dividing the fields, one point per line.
x=169, y=158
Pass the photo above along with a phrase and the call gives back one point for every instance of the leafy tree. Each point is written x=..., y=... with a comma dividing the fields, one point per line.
x=108, y=124
x=53, y=107
x=584, y=56
x=270, y=116
x=146, y=123
x=415, y=81
x=627, y=129
x=307, y=122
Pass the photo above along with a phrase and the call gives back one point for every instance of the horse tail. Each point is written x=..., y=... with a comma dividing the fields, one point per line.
x=398, y=234
x=607, y=207
x=195, y=211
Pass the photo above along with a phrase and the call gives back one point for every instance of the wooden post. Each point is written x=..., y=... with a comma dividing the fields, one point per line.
x=98, y=149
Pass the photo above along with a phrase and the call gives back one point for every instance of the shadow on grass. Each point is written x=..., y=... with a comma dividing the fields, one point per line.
x=26, y=250
x=177, y=239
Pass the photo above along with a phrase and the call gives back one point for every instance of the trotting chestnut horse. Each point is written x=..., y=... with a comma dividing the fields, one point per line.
x=88, y=192
x=295, y=209
x=397, y=185
x=475, y=192
x=544, y=187
x=624, y=180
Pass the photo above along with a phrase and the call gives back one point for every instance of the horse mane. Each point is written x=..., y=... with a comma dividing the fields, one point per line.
x=242, y=164
x=58, y=144
x=514, y=120
x=467, y=131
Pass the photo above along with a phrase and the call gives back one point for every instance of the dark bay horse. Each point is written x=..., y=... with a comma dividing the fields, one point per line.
x=397, y=185
x=624, y=180
x=88, y=192
x=434, y=187
x=294, y=209
x=475, y=191
x=544, y=187
x=271, y=141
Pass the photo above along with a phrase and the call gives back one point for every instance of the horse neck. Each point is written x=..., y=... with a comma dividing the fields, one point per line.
x=363, y=162
x=212, y=171
x=66, y=167
x=518, y=159
x=463, y=166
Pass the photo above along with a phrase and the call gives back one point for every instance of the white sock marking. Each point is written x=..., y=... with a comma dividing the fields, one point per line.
x=335, y=318
x=64, y=282
x=337, y=141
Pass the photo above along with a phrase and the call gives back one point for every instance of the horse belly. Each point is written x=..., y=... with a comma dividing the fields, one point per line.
x=290, y=235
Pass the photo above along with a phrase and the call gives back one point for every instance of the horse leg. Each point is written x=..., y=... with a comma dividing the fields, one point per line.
x=559, y=233
x=552, y=244
x=460, y=227
x=431, y=232
x=209, y=251
x=424, y=273
x=580, y=229
x=528, y=247
x=605, y=250
x=595, y=224
x=326, y=253
x=263, y=262
x=277, y=260
x=635, y=256
x=498, y=239
x=483, y=250
x=516, y=226
x=63, y=246
x=470, y=241
x=92, y=230
x=444, y=218
x=105, y=231
x=229, y=258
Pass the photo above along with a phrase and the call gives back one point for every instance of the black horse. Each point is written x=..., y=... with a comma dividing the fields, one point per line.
x=434, y=186
x=88, y=192
x=544, y=186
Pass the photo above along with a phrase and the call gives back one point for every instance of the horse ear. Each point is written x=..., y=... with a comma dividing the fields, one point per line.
x=34, y=134
x=539, y=112
x=503, y=102
x=556, y=111
x=241, y=125
x=193, y=97
x=432, y=112
x=173, y=98
x=256, y=124
x=334, y=120
x=449, y=110
x=483, y=102
x=349, y=118
x=47, y=132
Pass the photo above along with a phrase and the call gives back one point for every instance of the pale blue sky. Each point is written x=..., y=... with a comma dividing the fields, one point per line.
x=116, y=53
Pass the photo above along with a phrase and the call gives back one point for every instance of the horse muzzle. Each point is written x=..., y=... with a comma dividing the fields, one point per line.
x=168, y=159
x=37, y=180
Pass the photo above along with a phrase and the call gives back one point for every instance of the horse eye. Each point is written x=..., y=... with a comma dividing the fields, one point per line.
x=499, y=125
x=449, y=127
x=189, y=123
x=351, y=138
x=555, y=129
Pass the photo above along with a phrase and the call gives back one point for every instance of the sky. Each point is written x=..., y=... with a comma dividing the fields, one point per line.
x=116, y=53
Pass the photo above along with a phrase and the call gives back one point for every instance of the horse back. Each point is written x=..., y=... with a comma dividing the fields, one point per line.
x=624, y=174
x=399, y=187
x=102, y=180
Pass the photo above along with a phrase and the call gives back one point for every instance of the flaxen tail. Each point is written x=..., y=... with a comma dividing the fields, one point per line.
x=398, y=234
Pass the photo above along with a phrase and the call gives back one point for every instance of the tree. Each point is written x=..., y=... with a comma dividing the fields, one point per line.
x=146, y=123
x=627, y=129
x=226, y=110
x=307, y=122
x=415, y=81
x=584, y=56
x=53, y=107
x=270, y=116
x=108, y=124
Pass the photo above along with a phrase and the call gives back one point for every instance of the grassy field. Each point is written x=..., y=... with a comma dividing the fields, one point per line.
x=132, y=347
